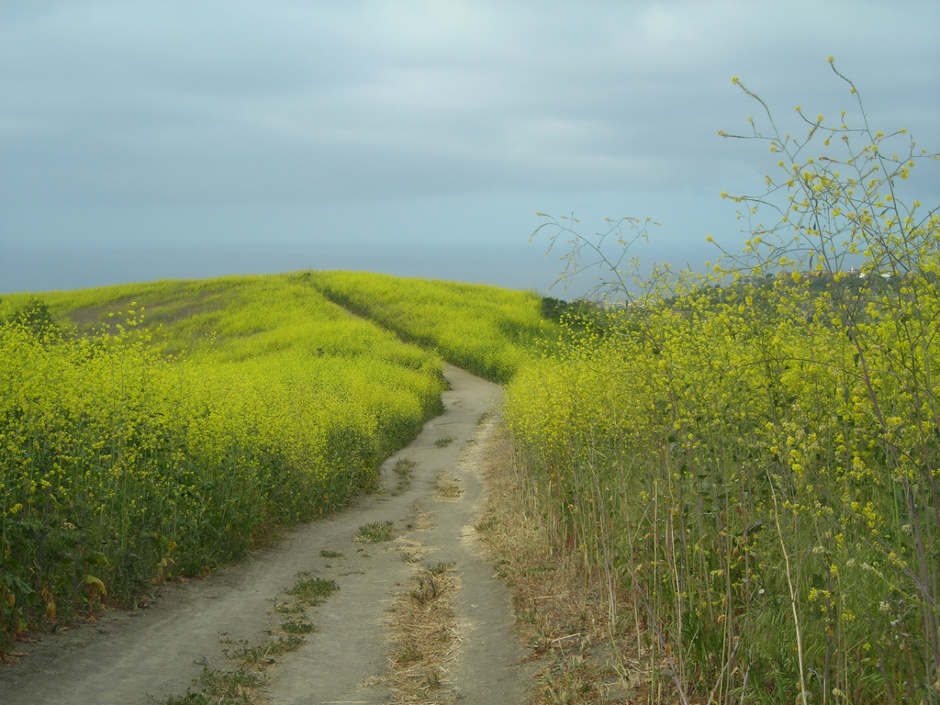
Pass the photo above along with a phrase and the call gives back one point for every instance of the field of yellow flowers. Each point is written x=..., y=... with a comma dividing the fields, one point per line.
x=749, y=462
x=160, y=430
x=763, y=492
x=487, y=330
x=749, y=471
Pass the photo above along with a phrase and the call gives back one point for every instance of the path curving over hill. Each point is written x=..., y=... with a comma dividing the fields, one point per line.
x=389, y=591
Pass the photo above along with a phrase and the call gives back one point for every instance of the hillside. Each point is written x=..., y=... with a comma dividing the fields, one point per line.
x=743, y=471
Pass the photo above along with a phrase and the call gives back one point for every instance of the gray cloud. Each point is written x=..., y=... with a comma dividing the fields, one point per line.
x=183, y=104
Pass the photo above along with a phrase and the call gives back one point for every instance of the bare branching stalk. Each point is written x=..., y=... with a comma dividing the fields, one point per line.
x=793, y=598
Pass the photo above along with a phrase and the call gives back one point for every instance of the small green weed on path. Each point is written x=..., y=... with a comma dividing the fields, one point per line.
x=375, y=532
x=313, y=591
x=298, y=626
x=443, y=442
x=404, y=467
x=239, y=685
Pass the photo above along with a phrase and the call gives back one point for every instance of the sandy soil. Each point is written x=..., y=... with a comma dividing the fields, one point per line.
x=144, y=656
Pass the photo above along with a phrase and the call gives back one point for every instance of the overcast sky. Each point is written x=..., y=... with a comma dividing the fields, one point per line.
x=169, y=139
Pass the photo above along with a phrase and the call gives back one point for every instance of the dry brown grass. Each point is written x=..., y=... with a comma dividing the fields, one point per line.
x=448, y=487
x=424, y=638
x=561, y=612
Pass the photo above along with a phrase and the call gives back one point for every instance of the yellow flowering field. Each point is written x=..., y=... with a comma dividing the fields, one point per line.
x=749, y=463
x=487, y=330
x=159, y=430
x=733, y=464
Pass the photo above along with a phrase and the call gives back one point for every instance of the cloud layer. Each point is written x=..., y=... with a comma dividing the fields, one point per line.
x=175, y=105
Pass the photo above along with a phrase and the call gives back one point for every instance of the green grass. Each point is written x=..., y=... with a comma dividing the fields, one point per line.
x=375, y=532
x=485, y=329
x=313, y=591
x=298, y=626
x=403, y=468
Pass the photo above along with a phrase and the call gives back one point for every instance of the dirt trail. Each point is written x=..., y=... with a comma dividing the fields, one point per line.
x=146, y=655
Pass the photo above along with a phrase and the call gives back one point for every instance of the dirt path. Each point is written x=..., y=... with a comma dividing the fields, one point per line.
x=146, y=655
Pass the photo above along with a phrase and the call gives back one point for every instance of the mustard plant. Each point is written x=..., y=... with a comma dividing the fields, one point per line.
x=747, y=459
